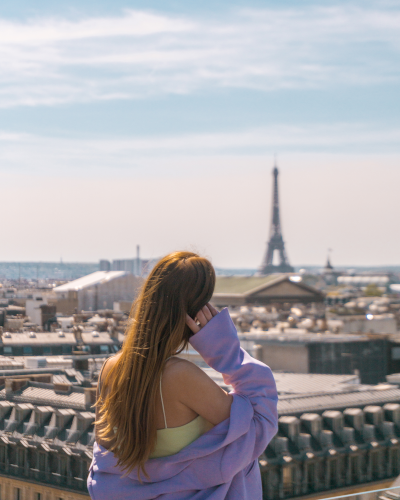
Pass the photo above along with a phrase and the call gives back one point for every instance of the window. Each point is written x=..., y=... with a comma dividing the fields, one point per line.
x=375, y=464
x=38, y=496
x=42, y=462
x=104, y=349
x=7, y=351
x=311, y=476
x=334, y=473
x=395, y=461
x=353, y=462
x=63, y=466
x=66, y=349
x=27, y=350
x=17, y=494
x=75, y=465
x=287, y=479
x=47, y=350
x=21, y=457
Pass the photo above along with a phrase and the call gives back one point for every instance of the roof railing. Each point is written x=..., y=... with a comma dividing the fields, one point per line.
x=392, y=493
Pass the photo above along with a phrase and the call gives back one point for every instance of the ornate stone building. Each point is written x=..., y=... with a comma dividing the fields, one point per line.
x=46, y=439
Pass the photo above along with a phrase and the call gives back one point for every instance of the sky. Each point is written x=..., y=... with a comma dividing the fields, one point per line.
x=158, y=123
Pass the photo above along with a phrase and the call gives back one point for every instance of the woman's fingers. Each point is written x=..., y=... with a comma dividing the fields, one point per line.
x=207, y=313
x=201, y=318
x=192, y=324
x=212, y=309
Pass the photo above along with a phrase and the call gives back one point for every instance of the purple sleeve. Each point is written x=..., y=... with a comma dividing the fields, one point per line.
x=252, y=380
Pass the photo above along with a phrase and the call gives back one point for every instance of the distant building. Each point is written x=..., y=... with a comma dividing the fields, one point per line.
x=105, y=265
x=98, y=290
x=37, y=344
x=46, y=439
x=137, y=266
x=11, y=364
x=322, y=353
x=329, y=273
x=363, y=280
x=40, y=312
x=370, y=323
x=263, y=290
x=58, y=343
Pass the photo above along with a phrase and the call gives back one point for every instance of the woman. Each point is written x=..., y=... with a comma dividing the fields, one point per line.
x=164, y=429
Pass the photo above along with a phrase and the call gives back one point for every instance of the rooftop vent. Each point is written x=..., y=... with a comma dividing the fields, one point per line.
x=63, y=388
x=61, y=334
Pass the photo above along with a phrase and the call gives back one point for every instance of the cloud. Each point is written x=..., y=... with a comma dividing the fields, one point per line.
x=139, y=54
x=148, y=155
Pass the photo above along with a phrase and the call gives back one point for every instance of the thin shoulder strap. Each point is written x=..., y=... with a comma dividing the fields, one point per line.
x=162, y=404
x=162, y=401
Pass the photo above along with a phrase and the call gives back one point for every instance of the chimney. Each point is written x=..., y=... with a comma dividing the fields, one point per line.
x=77, y=331
x=14, y=385
x=63, y=388
x=138, y=264
x=80, y=364
x=44, y=378
x=90, y=396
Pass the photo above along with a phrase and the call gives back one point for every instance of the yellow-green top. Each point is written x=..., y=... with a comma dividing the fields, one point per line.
x=174, y=439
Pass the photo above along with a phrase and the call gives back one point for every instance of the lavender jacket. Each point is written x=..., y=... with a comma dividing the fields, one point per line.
x=221, y=464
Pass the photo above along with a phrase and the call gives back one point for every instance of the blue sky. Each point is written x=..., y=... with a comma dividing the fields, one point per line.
x=120, y=100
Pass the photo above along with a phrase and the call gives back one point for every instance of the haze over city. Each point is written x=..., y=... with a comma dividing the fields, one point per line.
x=154, y=124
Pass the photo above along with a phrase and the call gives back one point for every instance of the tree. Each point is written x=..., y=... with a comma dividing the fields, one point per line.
x=373, y=291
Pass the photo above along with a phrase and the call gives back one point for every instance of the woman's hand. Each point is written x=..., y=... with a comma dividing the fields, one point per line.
x=205, y=315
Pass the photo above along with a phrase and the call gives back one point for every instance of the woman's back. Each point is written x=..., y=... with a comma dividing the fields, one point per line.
x=184, y=388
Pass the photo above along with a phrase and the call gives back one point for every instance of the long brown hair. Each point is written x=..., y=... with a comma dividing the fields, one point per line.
x=180, y=283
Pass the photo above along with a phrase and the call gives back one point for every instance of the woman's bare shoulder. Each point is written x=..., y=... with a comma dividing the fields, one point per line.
x=195, y=389
x=179, y=367
x=109, y=363
x=185, y=376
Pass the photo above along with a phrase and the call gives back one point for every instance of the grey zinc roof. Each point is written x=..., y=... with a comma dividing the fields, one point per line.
x=38, y=338
x=298, y=337
x=97, y=338
x=302, y=383
x=291, y=405
x=39, y=394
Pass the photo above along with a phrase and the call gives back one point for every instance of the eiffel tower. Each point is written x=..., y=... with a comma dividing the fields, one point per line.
x=275, y=243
